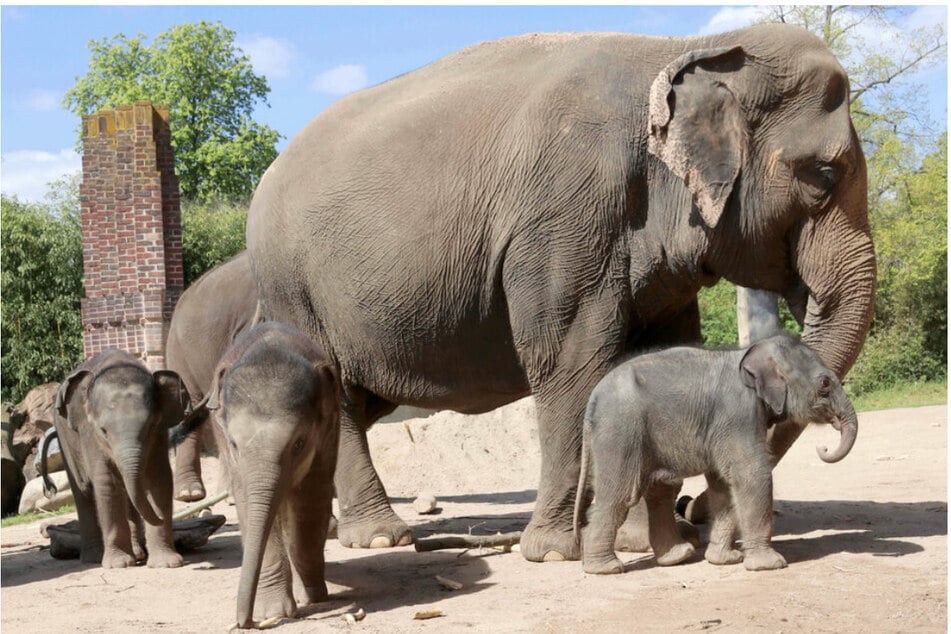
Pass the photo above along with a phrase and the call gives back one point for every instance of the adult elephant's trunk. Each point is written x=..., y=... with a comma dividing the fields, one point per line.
x=130, y=467
x=835, y=259
x=262, y=498
x=848, y=424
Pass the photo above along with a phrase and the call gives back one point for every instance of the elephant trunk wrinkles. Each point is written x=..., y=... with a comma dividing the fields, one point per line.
x=130, y=467
x=835, y=259
x=262, y=500
x=848, y=424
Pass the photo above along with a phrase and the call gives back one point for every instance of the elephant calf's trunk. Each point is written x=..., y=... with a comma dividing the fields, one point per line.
x=848, y=426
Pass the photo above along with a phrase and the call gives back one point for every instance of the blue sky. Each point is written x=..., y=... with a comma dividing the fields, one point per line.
x=311, y=56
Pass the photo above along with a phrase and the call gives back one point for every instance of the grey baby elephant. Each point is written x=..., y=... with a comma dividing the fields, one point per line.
x=681, y=412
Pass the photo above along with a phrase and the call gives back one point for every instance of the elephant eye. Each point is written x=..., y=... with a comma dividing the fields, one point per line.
x=103, y=430
x=298, y=444
x=825, y=386
x=826, y=174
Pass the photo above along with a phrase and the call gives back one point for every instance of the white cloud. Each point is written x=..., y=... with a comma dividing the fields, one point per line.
x=269, y=56
x=26, y=173
x=929, y=15
x=341, y=80
x=43, y=100
x=731, y=18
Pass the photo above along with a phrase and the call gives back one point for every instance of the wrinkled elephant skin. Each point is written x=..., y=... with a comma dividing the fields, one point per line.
x=515, y=217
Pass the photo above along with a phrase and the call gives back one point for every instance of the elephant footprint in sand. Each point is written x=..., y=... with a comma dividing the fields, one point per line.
x=112, y=420
x=661, y=417
x=274, y=400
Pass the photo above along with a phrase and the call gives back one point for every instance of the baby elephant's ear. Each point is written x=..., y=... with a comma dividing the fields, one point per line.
x=66, y=391
x=329, y=392
x=173, y=397
x=760, y=371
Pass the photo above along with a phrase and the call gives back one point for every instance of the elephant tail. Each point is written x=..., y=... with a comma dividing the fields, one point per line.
x=49, y=487
x=583, y=494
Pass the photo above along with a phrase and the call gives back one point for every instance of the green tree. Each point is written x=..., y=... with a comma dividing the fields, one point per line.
x=41, y=274
x=211, y=233
x=211, y=91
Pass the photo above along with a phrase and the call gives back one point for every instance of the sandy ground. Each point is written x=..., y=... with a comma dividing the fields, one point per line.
x=866, y=542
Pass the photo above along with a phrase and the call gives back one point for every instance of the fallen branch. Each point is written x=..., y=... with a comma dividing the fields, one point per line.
x=468, y=541
x=198, y=508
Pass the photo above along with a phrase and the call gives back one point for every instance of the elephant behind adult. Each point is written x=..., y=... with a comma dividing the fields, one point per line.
x=210, y=314
x=514, y=217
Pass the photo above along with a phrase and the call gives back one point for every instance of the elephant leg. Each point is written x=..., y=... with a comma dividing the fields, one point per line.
x=137, y=531
x=158, y=538
x=752, y=494
x=670, y=548
x=561, y=374
x=612, y=499
x=366, y=518
x=112, y=510
x=683, y=329
x=309, y=519
x=722, y=547
x=90, y=535
x=188, y=484
x=779, y=438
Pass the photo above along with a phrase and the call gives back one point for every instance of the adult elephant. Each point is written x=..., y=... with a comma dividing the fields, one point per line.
x=513, y=218
x=210, y=314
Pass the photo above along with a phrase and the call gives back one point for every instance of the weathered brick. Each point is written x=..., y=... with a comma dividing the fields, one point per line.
x=131, y=227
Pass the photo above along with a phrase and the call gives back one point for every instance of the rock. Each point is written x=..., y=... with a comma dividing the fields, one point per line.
x=34, y=500
x=425, y=503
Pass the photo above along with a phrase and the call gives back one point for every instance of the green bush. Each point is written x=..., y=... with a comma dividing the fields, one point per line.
x=42, y=280
x=211, y=233
x=896, y=355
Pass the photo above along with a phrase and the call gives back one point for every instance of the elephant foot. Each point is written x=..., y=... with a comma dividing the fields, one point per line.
x=722, y=555
x=549, y=544
x=189, y=488
x=387, y=532
x=763, y=559
x=115, y=558
x=677, y=554
x=632, y=537
x=164, y=558
x=606, y=565
x=273, y=605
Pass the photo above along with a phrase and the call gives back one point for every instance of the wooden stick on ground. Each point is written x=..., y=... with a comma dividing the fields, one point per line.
x=198, y=508
x=468, y=541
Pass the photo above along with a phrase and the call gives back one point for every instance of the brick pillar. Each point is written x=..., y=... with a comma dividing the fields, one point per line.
x=132, y=235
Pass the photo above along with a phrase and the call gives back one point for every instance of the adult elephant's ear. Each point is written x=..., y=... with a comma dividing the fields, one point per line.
x=66, y=391
x=697, y=127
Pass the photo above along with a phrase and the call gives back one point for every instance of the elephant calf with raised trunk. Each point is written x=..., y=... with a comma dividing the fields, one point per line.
x=113, y=417
x=275, y=400
x=661, y=417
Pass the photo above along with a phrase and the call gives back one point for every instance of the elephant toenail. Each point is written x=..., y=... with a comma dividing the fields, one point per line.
x=553, y=555
x=381, y=541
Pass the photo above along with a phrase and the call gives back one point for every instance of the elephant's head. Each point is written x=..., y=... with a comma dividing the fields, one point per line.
x=277, y=412
x=128, y=410
x=797, y=388
x=756, y=125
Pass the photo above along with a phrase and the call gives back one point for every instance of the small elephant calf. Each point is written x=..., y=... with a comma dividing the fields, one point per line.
x=664, y=416
x=275, y=403
x=112, y=419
